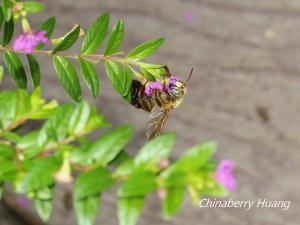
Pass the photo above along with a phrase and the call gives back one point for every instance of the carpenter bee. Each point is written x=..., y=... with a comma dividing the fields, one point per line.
x=167, y=95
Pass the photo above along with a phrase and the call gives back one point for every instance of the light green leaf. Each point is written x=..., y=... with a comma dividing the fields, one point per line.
x=7, y=9
x=108, y=146
x=196, y=157
x=1, y=74
x=93, y=182
x=173, y=202
x=95, y=35
x=90, y=76
x=8, y=32
x=15, y=69
x=29, y=144
x=144, y=50
x=115, y=39
x=40, y=175
x=125, y=168
x=129, y=210
x=121, y=79
x=87, y=209
x=68, y=77
x=44, y=208
x=79, y=118
x=1, y=17
x=68, y=41
x=155, y=150
x=35, y=70
x=138, y=184
x=6, y=151
x=33, y=7
x=48, y=26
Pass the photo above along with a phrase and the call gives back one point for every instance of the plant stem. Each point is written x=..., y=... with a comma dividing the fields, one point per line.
x=71, y=55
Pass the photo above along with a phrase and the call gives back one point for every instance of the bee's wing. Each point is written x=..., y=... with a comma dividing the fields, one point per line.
x=157, y=122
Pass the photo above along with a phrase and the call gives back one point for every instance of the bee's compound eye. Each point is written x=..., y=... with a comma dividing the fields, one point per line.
x=176, y=92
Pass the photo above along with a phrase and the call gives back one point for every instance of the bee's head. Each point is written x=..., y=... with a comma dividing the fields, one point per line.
x=176, y=88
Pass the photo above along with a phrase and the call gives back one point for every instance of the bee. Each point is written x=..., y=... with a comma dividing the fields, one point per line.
x=167, y=95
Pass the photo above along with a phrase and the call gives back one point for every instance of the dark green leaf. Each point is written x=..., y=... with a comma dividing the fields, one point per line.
x=115, y=39
x=144, y=50
x=48, y=26
x=68, y=77
x=1, y=188
x=87, y=209
x=33, y=7
x=138, y=184
x=108, y=146
x=90, y=76
x=15, y=69
x=1, y=17
x=121, y=79
x=93, y=182
x=95, y=35
x=68, y=41
x=7, y=9
x=155, y=151
x=173, y=202
x=79, y=118
x=8, y=32
x=129, y=210
x=35, y=70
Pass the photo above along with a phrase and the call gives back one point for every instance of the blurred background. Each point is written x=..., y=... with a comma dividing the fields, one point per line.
x=244, y=94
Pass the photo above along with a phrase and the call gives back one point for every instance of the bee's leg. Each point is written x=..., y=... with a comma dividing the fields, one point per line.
x=166, y=68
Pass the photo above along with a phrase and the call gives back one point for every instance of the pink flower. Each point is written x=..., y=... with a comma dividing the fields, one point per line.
x=188, y=15
x=156, y=85
x=28, y=41
x=224, y=175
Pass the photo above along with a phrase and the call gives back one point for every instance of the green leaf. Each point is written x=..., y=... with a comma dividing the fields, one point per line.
x=90, y=76
x=173, y=202
x=6, y=151
x=138, y=184
x=57, y=127
x=115, y=39
x=40, y=175
x=144, y=50
x=33, y=7
x=125, y=168
x=68, y=40
x=15, y=69
x=196, y=157
x=48, y=26
x=34, y=70
x=95, y=35
x=1, y=188
x=7, y=9
x=1, y=74
x=87, y=209
x=29, y=144
x=109, y=145
x=43, y=201
x=79, y=118
x=129, y=210
x=93, y=182
x=68, y=77
x=155, y=151
x=1, y=17
x=8, y=32
x=121, y=79
x=44, y=208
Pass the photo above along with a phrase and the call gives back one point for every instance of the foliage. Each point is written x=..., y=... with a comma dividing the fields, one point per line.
x=34, y=162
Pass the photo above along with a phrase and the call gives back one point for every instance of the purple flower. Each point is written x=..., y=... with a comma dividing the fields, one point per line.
x=188, y=15
x=172, y=80
x=156, y=85
x=224, y=175
x=23, y=202
x=28, y=41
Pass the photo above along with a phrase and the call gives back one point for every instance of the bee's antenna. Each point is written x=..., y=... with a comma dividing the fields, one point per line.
x=190, y=75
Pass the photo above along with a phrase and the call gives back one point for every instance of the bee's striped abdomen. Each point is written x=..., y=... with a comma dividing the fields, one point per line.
x=138, y=97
